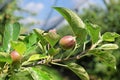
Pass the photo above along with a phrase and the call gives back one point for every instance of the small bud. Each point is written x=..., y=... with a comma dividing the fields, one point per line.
x=52, y=30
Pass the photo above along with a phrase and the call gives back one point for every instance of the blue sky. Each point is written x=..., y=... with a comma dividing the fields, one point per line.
x=42, y=8
x=46, y=6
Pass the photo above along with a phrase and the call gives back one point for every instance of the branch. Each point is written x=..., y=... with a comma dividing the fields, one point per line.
x=80, y=55
x=71, y=58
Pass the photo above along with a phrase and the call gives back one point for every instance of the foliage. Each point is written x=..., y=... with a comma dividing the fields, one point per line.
x=106, y=16
x=40, y=50
x=107, y=19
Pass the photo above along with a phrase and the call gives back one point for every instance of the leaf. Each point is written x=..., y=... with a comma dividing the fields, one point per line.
x=52, y=38
x=110, y=36
x=54, y=74
x=37, y=74
x=78, y=70
x=39, y=33
x=3, y=76
x=22, y=75
x=5, y=57
x=31, y=39
x=16, y=31
x=11, y=33
x=108, y=46
x=7, y=37
x=30, y=50
x=0, y=39
x=44, y=73
x=94, y=31
x=20, y=47
x=37, y=57
x=75, y=22
x=105, y=57
x=53, y=51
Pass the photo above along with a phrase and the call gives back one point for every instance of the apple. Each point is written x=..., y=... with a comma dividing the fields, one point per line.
x=15, y=56
x=67, y=42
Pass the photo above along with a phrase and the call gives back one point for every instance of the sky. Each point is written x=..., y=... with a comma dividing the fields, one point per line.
x=43, y=7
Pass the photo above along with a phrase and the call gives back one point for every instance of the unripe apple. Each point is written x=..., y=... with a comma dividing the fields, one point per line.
x=15, y=56
x=67, y=42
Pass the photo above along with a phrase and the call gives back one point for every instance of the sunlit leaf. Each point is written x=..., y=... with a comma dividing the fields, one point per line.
x=20, y=47
x=94, y=32
x=108, y=47
x=51, y=72
x=8, y=34
x=105, y=57
x=75, y=22
x=30, y=50
x=22, y=75
x=5, y=57
x=53, y=51
x=39, y=33
x=52, y=38
x=78, y=70
x=110, y=36
x=16, y=31
x=44, y=73
x=0, y=39
x=31, y=39
x=37, y=57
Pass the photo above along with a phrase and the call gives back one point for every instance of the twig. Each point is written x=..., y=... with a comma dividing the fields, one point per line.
x=94, y=45
x=45, y=62
x=35, y=64
x=71, y=58
x=56, y=60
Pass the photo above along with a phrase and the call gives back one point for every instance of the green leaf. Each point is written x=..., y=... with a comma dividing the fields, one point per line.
x=5, y=57
x=52, y=38
x=3, y=76
x=53, y=51
x=37, y=74
x=22, y=75
x=105, y=57
x=37, y=57
x=8, y=34
x=94, y=31
x=31, y=39
x=0, y=39
x=30, y=50
x=108, y=46
x=16, y=31
x=75, y=22
x=78, y=70
x=44, y=73
x=51, y=72
x=40, y=33
x=20, y=47
x=110, y=36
